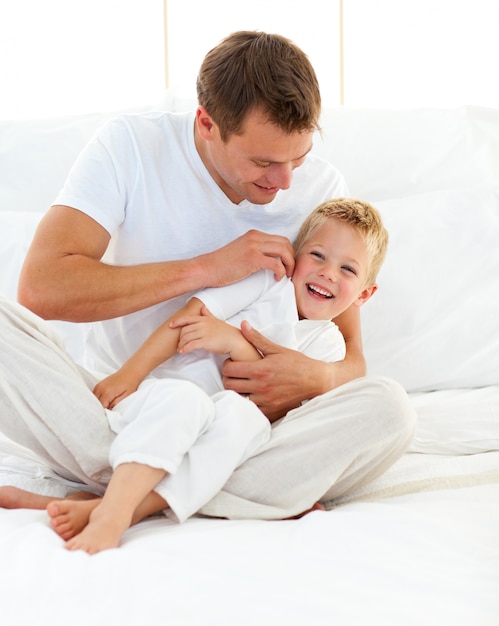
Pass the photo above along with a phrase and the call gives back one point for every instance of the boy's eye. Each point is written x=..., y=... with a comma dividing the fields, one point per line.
x=347, y=268
x=319, y=255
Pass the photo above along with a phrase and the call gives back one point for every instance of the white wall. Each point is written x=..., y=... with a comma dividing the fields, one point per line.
x=194, y=27
x=72, y=56
x=406, y=53
x=397, y=53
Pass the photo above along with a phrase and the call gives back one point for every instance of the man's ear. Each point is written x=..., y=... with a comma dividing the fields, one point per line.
x=205, y=123
x=365, y=295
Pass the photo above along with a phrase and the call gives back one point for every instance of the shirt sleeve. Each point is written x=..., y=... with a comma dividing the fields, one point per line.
x=226, y=302
x=268, y=305
x=320, y=339
x=96, y=184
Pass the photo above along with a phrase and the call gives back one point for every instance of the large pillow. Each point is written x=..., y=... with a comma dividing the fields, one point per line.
x=434, y=322
x=36, y=155
x=387, y=153
x=457, y=421
x=16, y=232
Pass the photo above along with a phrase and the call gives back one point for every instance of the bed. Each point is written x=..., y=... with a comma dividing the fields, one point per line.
x=420, y=544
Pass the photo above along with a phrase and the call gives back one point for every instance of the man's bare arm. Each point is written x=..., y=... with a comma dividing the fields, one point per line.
x=63, y=276
x=354, y=364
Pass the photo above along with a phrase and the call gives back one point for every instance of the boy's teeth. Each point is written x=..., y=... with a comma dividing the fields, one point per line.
x=320, y=291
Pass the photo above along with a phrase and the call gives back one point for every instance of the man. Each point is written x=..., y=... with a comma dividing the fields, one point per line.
x=160, y=205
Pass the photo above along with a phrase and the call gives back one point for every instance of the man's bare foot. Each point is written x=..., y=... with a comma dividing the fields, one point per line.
x=68, y=517
x=103, y=531
x=17, y=498
x=316, y=507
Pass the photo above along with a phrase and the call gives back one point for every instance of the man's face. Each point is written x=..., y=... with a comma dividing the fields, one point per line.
x=254, y=164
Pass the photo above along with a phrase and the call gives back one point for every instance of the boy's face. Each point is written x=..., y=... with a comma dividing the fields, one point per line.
x=256, y=163
x=330, y=271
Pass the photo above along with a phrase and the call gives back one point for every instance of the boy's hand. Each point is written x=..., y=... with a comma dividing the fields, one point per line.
x=115, y=388
x=206, y=332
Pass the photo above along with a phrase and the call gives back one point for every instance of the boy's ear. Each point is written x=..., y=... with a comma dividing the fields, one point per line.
x=365, y=295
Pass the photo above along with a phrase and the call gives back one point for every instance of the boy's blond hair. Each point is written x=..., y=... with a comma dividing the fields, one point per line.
x=363, y=217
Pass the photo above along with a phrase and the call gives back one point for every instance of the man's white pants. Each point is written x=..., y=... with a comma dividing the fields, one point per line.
x=331, y=444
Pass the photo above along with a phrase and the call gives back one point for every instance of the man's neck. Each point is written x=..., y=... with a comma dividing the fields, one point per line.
x=204, y=155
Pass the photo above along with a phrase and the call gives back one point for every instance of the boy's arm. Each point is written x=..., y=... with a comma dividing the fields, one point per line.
x=193, y=327
x=156, y=349
x=207, y=332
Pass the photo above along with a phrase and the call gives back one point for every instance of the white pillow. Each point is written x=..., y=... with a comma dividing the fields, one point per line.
x=457, y=421
x=389, y=153
x=16, y=232
x=36, y=155
x=434, y=322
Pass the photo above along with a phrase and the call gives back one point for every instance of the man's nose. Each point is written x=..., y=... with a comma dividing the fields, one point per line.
x=281, y=175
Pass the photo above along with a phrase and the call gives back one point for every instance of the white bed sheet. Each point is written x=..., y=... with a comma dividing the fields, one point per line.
x=428, y=559
x=419, y=546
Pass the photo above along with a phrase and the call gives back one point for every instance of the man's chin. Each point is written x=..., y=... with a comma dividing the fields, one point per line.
x=261, y=197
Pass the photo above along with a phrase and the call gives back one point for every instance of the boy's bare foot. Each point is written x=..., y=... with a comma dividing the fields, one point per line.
x=103, y=531
x=68, y=517
x=16, y=498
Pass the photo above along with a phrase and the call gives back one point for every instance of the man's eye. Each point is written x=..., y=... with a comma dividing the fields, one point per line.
x=261, y=164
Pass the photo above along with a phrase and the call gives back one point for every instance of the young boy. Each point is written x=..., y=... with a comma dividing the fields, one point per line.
x=339, y=250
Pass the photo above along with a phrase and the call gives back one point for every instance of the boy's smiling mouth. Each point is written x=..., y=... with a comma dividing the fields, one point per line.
x=318, y=291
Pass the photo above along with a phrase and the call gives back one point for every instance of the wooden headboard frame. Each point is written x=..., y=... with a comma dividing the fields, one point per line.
x=165, y=38
x=341, y=51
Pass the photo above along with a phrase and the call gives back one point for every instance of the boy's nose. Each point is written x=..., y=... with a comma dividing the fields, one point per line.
x=328, y=273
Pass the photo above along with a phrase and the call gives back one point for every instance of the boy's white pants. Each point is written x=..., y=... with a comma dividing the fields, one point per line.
x=333, y=443
x=198, y=439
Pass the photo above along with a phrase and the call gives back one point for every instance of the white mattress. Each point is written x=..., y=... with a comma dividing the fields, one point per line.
x=419, y=546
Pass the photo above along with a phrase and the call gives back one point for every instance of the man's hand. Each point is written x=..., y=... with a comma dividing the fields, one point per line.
x=64, y=278
x=246, y=255
x=280, y=381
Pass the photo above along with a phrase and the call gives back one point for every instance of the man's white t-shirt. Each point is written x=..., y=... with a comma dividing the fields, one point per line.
x=143, y=180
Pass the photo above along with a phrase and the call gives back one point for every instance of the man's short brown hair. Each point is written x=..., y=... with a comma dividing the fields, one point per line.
x=251, y=70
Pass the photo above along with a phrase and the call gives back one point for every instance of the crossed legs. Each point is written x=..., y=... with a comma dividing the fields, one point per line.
x=103, y=521
x=91, y=523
